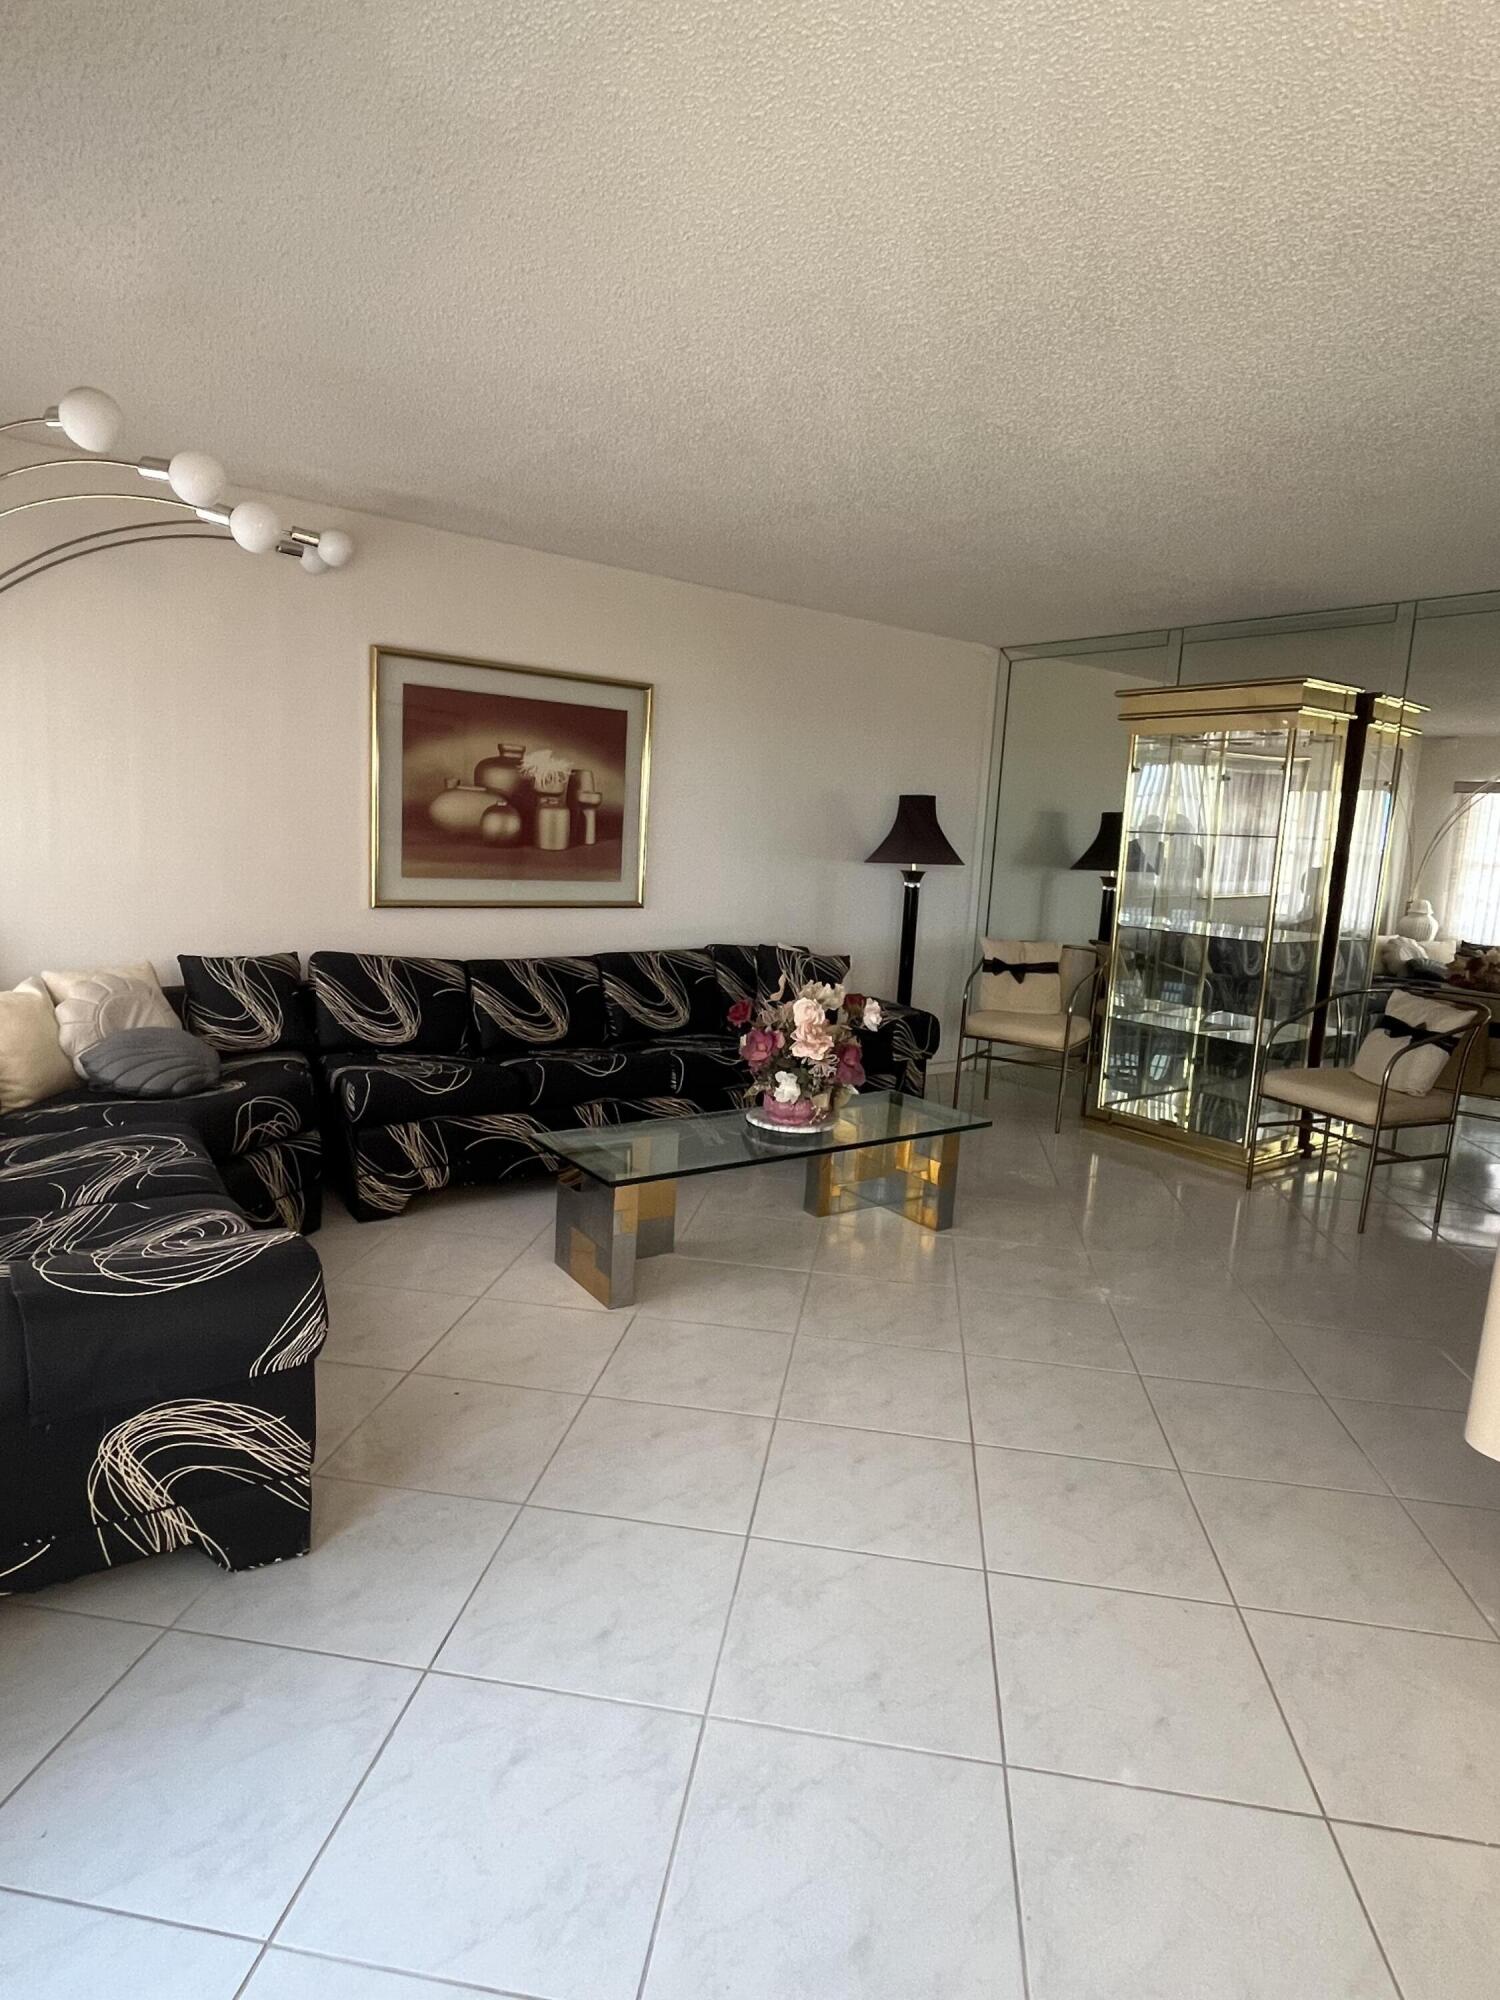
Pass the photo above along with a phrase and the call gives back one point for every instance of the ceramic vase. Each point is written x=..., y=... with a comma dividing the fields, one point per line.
x=459, y=808
x=502, y=772
x=1419, y=922
x=501, y=824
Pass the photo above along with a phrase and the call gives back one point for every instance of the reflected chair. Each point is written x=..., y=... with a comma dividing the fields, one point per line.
x=1036, y=997
x=1431, y=1041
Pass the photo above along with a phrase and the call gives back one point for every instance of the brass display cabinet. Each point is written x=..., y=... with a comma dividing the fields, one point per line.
x=1256, y=821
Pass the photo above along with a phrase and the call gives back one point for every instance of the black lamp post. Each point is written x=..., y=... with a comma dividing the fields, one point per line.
x=1102, y=858
x=915, y=843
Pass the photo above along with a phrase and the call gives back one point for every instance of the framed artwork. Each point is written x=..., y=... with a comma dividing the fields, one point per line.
x=495, y=786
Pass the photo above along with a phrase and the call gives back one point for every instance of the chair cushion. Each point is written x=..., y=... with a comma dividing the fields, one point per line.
x=788, y=966
x=1419, y=1069
x=651, y=994
x=386, y=1090
x=239, y=1005
x=1021, y=992
x=419, y=1006
x=1029, y=1031
x=1344, y=1095
x=521, y=1004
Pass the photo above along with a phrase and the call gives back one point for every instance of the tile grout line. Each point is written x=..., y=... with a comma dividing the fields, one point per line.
x=708, y=1697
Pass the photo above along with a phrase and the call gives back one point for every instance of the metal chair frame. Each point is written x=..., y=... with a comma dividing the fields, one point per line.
x=985, y=1045
x=1306, y=1119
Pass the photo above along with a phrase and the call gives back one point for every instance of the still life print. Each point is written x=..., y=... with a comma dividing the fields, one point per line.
x=803, y=1052
x=497, y=784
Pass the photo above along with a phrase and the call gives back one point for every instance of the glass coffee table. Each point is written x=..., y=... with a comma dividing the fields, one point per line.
x=617, y=1192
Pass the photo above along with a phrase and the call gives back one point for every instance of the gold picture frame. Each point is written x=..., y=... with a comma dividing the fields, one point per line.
x=491, y=781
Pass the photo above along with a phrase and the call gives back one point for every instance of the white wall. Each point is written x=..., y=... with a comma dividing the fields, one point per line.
x=1063, y=763
x=184, y=754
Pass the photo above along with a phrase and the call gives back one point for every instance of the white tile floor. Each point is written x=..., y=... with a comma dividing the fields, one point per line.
x=1097, y=1603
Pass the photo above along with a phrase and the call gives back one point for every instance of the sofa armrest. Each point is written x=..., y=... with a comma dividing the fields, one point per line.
x=896, y=1054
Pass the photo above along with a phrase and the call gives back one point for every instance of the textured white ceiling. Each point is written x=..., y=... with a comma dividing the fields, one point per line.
x=1005, y=318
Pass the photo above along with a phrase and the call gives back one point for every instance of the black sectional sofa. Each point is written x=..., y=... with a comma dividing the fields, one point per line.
x=156, y=1355
x=439, y=1071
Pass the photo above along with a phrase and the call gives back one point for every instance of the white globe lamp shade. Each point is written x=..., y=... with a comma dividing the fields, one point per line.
x=335, y=547
x=195, y=477
x=313, y=563
x=255, y=527
x=89, y=419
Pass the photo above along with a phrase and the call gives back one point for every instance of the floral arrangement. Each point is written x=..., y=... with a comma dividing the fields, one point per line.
x=803, y=1050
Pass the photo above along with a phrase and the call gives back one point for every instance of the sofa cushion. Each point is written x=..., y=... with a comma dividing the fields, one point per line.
x=786, y=967
x=151, y=1062
x=44, y=1171
x=387, y=1090
x=32, y=1064
x=655, y=993
x=558, y=1083
x=93, y=1005
x=258, y=1101
x=419, y=1006
x=735, y=965
x=708, y=1070
x=238, y=1005
x=522, y=1004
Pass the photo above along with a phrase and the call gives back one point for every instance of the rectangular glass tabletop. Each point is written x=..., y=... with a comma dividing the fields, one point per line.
x=659, y=1149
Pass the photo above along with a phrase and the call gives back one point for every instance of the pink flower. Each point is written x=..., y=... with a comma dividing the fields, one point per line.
x=850, y=1070
x=740, y=1013
x=813, y=1043
x=807, y=1014
x=759, y=1046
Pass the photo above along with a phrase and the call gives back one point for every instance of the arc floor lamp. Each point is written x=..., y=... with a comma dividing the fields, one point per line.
x=915, y=843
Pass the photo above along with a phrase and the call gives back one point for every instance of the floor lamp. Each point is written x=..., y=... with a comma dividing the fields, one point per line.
x=915, y=843
x=1102, y=858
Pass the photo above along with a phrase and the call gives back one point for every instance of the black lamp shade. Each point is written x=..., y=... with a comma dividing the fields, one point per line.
x=1102, y=855
x=915, y=839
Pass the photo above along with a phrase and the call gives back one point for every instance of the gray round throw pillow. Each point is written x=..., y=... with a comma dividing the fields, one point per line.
x=151, y=1062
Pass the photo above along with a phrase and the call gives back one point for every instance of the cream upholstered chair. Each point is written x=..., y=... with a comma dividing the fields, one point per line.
x=1036, y=997
x=1408, y=1071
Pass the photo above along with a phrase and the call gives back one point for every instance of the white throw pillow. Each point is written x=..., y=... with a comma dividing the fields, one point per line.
x=1418, y=1071
x=32, y=1063
x=91, y=1005
x=1033, y=992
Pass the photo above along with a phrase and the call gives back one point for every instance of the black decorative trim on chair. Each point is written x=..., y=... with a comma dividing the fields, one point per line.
x=238, y=1005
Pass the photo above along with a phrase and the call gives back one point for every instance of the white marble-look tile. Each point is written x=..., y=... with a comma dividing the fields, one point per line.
x=596, y=1606
x=444, y=1436
x=382, y=1326
x=1330, y=1555
x=386, y=1576
x=152, y=1591
x=1327, y=1294
x=1139, y=1894
x=707, y=1367
x=1080, y=1333
x=810, y=1869
x=873, y=1386
x=1082, y=1412
x=1400, y=1728
x=443, y=1260
x=542, y=1824
x=1088, y=1520
x=872, y=1490
x=53, y=1668
x=1260, y=1434
x=202, y=1785
x=1423, y=1453
x=1468, y=1540
x=1436, y=1906
x=982, y=1263
x=506, y=1210
x=528, y=1347
x=346, y=1397
x=726, y=1232
x=881, y=1309
x=879, y=1243
x=57, y=1951
x=1243, y=1352
x=534, y=1279
x=719, y=1294
x=687, y=1468
x=1374, y=1368
x=856, y=1645
x=1141, y=1691
x=288, y=1975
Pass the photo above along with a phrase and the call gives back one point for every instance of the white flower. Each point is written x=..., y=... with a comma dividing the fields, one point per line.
x=826, y=996
x=871, y=1015
x=787, y=1090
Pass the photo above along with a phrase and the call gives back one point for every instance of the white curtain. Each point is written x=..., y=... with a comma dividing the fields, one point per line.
x=1471, y=908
